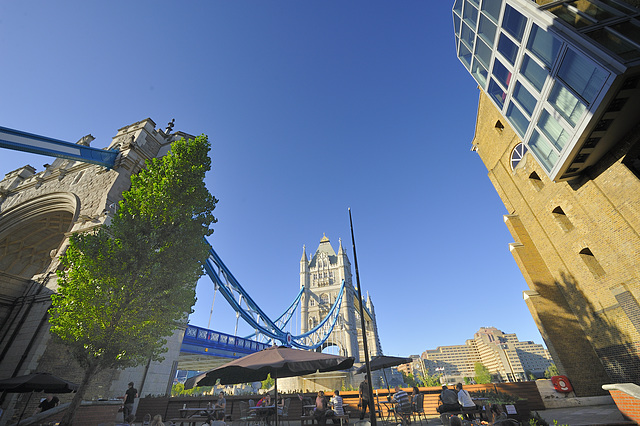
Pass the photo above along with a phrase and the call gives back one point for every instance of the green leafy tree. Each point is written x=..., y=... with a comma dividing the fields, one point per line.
x=409, y=379
x=430, y=380
x=482, y=373
x=126, y=286
x=467, y=380
x=268, y=382
x=551, y=371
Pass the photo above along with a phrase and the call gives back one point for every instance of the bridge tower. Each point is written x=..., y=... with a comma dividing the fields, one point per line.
x=322, y=277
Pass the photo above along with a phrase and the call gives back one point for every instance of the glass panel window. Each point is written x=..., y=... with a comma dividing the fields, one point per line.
x=526, y=100
x=465, y=55
x=513, y=22
x=629, y=29
x=517, y=119
x=533, y=72
x=543, y=151
x=456, y=24
x=470, y=14
x=570, y=17
x=507, y=48
x=501, y=73
x=496, y=93
x=566, y=103
x=582, y=75
x=479, y=73
x=624, y=9
x=487, y=30
x=476, y=2
x=594, y=11
x=492, y=9
x=615, y=44
x=457, y=7
x=553, y=130
x=544, y=45
x=483, y=53
x=467, y=35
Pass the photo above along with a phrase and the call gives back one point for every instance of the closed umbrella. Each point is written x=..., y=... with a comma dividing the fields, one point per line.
x=279, y=361
x=36, y=382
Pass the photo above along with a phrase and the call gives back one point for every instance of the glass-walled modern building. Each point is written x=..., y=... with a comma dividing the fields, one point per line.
x=565, y=74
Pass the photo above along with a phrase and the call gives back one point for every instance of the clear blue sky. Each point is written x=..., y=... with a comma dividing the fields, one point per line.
x=311, y=107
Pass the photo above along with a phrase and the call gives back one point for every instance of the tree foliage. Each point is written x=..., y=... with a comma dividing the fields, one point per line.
x=482, y=373
x=430, y=380
x=268, y=383
x=124, y=287
x=551, y=371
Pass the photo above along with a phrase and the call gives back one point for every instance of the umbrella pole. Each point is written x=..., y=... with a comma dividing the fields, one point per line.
x=275, y=392
x=25, y=408
x=386, y=382
x=372, y=411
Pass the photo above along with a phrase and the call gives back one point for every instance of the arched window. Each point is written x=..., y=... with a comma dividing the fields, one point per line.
x=536, y=181
x=517, y=154
x=591, y=262
x=562, y=219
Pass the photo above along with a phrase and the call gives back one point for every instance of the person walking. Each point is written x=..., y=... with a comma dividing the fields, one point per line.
x=365, y=398
x=129, y=398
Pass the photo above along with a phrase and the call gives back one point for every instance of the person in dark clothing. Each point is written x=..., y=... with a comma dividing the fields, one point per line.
x=48, y=403
x=449, y=400
x=365, y=398
x=129, y=398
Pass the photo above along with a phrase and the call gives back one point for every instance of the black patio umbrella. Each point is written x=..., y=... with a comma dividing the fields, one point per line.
x=382, y=362
x=36, y=382
x=279, y=361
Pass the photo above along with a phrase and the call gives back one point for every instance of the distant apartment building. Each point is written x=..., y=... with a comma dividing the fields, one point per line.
x=507, y=358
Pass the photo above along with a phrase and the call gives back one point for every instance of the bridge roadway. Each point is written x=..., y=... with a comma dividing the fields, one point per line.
x=204, y=349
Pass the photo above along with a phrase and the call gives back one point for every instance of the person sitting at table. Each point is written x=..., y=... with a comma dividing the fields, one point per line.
x=265, y=401
x=266, y=412
x=402, y=405
x=449, y=400
x=414, y=399
x=337, y=406
x=464, y=399
x=320, y=411
x=221, y=406
x=157, y=420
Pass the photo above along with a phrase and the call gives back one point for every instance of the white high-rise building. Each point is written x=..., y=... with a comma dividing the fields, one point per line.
x=503, y=354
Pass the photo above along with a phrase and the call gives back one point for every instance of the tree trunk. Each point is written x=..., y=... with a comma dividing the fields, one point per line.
x=69, y=415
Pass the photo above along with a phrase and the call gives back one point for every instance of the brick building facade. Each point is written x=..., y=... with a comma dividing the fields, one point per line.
x=564, y=158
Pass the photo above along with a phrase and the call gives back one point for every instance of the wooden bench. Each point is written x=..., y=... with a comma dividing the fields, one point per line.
x=477, y=410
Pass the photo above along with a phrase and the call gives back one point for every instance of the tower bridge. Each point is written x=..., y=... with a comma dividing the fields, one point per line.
x=77, y=192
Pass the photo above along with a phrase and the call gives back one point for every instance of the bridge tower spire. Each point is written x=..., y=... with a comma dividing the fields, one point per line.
x=322, y=277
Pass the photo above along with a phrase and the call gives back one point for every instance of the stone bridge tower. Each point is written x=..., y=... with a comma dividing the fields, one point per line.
x=322, y=277
x=37, y=213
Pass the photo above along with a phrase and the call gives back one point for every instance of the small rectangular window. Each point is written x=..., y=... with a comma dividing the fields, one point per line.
x=492, y=9
x=566, y=103
x=514, y=22
x=483, y=53
x=470, y=14
x=496, y=93
x=465, y=55
x=526, y=100
x=534, y=73
x=501, y=73
x=543, y=151
x=456, y=25
x=487, y=30
x=457, y=7
x=479, y=73
x=553, y=130
x=544, y=45
x=517, y=119
x=467, y=36
x=508, y=48
x=571, y=17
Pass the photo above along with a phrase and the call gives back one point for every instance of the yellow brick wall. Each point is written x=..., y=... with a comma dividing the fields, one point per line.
x=573, y=297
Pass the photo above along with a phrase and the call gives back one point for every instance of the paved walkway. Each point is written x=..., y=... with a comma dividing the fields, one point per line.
x=585, y=416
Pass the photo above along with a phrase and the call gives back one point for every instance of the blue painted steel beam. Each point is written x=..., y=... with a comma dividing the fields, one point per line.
x=28, y=142
x=202, y=341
